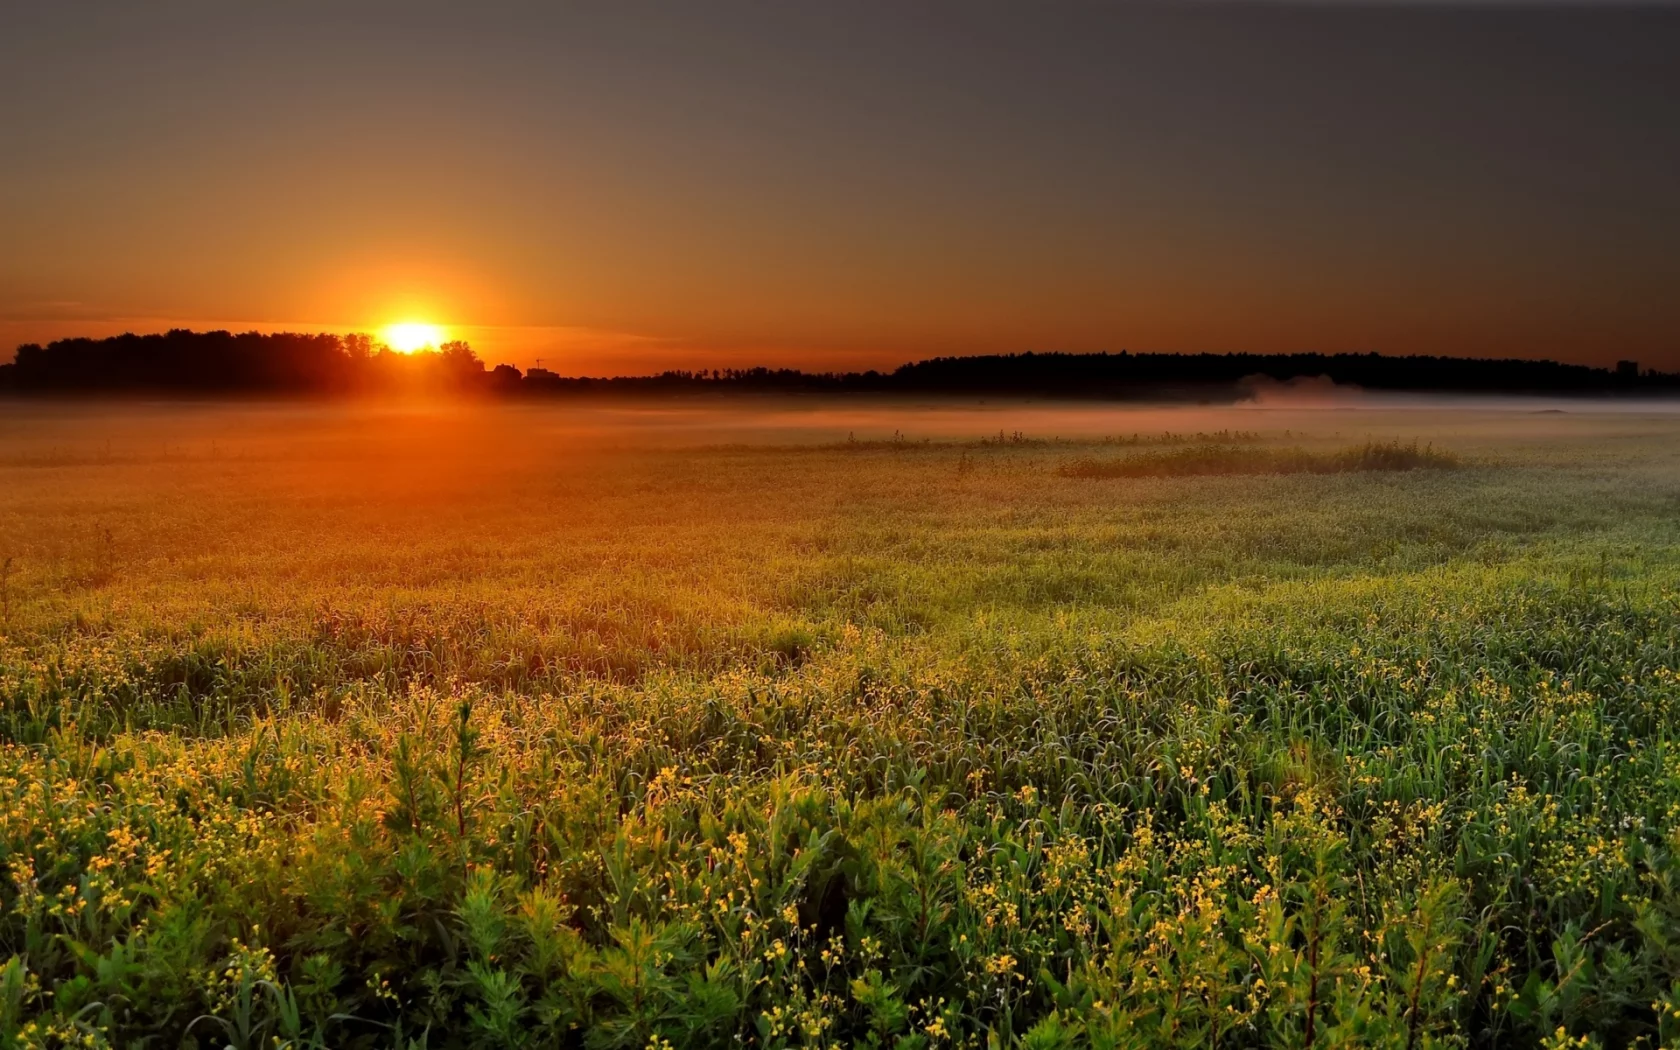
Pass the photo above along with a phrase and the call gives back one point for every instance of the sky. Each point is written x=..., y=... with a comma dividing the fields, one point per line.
x=617, y=188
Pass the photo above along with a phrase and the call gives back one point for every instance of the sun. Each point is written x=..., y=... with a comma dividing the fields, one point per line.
x=411, y=336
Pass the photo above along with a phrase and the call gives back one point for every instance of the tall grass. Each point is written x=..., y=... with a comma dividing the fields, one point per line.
x=1198, y=460
x=752, y=748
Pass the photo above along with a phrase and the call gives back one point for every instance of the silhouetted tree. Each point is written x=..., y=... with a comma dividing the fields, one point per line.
x=219, y=362
x=181, y=361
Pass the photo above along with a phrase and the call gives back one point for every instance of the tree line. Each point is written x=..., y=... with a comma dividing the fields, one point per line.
x=182, y=362
x=219, y=362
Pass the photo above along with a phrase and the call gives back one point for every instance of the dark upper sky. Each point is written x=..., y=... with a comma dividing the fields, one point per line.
x=630, y=185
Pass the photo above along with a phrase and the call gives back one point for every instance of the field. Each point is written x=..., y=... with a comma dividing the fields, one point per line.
x=897, y=725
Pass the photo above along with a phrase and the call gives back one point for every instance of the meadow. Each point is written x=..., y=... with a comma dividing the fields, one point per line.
x=880, y=724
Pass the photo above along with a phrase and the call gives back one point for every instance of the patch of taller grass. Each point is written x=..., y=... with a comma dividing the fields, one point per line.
x=1213, y=459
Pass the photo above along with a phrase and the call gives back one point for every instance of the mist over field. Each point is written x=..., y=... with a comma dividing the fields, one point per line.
x=802, y=720
x=448, y=428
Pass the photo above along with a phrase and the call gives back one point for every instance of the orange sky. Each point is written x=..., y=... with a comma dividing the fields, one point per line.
x=620, y=192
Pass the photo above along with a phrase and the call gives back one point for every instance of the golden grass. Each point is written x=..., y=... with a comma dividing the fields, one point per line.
x=361, y=728
x=1213, y=459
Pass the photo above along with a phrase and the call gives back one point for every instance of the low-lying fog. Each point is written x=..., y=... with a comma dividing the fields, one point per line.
x=441, y=457
x=491, y=438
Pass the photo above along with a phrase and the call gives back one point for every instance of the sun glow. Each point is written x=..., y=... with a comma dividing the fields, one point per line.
x=411, y=336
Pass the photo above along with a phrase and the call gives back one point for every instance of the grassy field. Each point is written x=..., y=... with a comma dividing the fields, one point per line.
x=799, y=725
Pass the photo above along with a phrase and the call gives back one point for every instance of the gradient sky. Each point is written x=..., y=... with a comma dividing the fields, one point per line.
x=631, y=186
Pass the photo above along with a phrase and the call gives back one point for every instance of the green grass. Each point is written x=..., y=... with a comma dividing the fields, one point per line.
x=323, y=729
x=1198, y=460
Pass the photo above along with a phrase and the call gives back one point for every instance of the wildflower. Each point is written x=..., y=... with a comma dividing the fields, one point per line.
x=1000, y=965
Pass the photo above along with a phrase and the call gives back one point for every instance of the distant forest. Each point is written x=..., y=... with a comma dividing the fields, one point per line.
x=185, y=363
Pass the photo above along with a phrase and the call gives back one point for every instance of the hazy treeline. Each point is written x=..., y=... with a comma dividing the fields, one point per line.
x=217, y=362
x=181, y=361
x=1113, y=373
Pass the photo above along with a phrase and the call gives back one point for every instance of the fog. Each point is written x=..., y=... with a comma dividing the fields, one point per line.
x=488, y=436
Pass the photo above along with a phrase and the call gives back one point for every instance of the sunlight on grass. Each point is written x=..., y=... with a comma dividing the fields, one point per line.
x=450, y=730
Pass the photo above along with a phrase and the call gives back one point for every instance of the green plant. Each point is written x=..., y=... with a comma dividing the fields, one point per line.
x=379, y=739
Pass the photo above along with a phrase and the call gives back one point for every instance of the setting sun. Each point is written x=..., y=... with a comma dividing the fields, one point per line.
x=411, y=336
x=996, y=527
